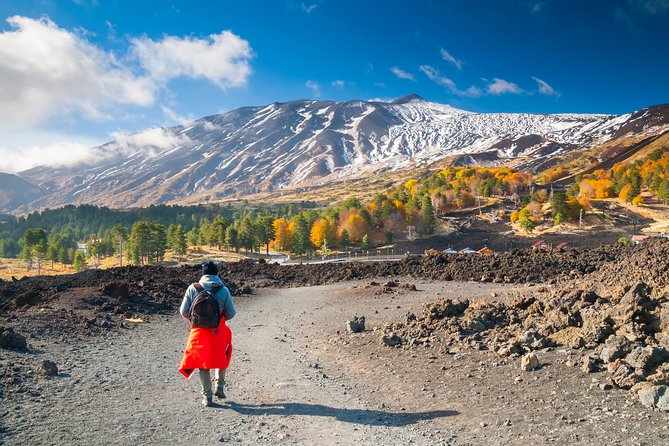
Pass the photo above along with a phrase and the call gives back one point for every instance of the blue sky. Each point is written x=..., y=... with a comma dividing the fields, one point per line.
x=80, y=72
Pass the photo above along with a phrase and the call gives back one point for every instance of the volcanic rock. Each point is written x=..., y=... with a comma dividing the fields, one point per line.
x=49, y=368
x=10, y=339
x=356, y=325
x=655, y=397
x=616, y=347
x=529, y=362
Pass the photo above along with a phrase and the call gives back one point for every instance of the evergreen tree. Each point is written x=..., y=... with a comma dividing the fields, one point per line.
x=247, y=234
x=180, y=244
x=120, y=234
x=364, y=245
x=232, y=238
x=427, y=211
x=265, y=230
x=345, y=242
x=79, y=261
x=663, y=191
x=300, y=240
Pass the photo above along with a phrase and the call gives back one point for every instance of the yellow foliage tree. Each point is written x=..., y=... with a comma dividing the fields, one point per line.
x=283, y=234
x=354, y=224
x=322, y=230
x=638, y=201
x=584, y=202
x=624, y=192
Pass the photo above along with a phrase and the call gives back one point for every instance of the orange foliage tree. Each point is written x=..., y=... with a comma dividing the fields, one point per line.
x=282, y=231
x=323, y=230
x=354, y=224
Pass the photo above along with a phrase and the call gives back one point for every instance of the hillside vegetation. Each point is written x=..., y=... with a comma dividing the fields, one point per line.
x=411, y=209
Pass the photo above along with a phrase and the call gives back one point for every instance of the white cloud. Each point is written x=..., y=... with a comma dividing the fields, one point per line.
x=222, y=59
x=544, y=88
x=450, y=59
x=46, y=70
x=22, y=149
x=314, y=87
x=500, y=86
x=434, y=75
x=308, y=8
x=402, y=74
x=151, y=141
x=339, y=83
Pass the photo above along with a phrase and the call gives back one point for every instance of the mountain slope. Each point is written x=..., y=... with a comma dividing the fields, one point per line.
x=305, y=142
x=15, y=191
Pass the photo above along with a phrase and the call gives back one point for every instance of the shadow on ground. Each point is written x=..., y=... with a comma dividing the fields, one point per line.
x=356, y=416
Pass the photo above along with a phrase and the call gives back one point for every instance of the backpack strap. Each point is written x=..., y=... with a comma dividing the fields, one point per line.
x=198, y=287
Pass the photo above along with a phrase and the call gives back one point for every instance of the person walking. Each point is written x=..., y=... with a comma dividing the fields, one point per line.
x=208, y=346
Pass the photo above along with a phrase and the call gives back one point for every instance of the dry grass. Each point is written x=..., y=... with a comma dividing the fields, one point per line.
x=17, y=267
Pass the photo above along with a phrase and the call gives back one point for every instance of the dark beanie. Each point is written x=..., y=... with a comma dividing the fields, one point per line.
x=209, y=268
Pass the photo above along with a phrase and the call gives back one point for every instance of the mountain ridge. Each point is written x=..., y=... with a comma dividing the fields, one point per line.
x=282, y=145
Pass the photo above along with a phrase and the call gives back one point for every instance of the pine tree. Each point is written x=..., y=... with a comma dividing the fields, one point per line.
x=79, y=261
x=232, y=238
x=120, y=234
x=364, y=245
x=427, y=211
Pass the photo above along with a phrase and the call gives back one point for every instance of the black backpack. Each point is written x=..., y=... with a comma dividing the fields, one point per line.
x=204, y=311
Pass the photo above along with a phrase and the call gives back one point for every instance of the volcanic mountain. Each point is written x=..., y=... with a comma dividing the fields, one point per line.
x=281, y=146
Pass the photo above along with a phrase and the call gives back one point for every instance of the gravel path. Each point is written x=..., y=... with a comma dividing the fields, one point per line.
x=298, y=378
x=125, y=389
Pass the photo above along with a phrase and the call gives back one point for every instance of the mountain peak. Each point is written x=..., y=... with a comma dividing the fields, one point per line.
x=408, y=98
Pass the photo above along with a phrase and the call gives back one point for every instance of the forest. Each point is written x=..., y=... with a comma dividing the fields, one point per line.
x=144, y=235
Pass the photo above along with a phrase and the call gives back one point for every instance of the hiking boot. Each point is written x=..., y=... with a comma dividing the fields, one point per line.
x=207, y=401
x=219, y=392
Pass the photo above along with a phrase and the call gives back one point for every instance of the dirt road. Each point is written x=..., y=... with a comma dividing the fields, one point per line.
x=298, y=378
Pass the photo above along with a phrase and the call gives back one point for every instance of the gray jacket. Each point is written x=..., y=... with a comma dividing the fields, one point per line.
x=223, y=296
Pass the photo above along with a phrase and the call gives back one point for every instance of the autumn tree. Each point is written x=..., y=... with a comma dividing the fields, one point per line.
x=322, y=230
x=282, y=235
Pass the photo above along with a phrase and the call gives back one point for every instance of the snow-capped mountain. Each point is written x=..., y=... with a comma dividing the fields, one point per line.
x=309, y=142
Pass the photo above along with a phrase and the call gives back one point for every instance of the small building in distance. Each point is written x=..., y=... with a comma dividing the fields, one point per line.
x=486, y=251
x=562, y=246
x=449, y=251
x=639, y=238
x=467, y=251
x=541, y=245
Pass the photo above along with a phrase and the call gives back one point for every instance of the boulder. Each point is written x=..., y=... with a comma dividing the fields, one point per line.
x=661, y=375
x=391, y=339
x=49, y=368
x=10, y=339
x=616, y=347
x=529, y=362
x=655, y=397
x=116, y=289
x=645, y=358
x=28, y=298
x=589, y=365
x=356, y=325
x=624, y=376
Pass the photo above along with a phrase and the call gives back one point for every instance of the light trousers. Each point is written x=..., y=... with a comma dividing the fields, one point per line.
x=205, y=380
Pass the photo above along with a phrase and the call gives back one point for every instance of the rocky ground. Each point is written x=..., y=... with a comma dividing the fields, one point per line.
x=615, y=319
x=540, y=348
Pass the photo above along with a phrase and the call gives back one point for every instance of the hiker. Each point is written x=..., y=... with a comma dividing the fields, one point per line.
x=208, y=305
